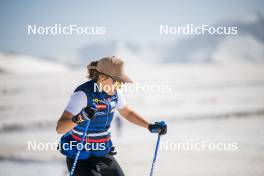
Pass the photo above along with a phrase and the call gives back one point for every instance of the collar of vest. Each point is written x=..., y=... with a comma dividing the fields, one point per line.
x=95, y=85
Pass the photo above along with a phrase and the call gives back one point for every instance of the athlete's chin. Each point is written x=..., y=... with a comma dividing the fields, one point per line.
x=111, y=92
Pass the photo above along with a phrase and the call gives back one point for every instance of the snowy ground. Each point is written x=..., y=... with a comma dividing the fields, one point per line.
x=216, y=103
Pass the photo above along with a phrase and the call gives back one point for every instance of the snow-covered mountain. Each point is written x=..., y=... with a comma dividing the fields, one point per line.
x=246, y=46
x=24, y=64
x=131, y=52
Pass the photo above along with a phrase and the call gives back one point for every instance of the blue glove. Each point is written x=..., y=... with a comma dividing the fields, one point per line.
x=158, y=127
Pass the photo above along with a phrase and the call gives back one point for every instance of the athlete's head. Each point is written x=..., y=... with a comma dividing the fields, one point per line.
x=108, y=73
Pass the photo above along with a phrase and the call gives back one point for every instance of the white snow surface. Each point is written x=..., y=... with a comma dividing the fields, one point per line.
x=212, y=102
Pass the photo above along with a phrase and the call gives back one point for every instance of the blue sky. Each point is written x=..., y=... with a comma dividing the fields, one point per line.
x=136, y=21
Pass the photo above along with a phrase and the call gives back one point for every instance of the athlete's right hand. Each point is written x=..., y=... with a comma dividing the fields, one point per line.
x=86, y=113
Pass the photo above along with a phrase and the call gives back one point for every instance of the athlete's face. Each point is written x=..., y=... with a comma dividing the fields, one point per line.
x=109, y=85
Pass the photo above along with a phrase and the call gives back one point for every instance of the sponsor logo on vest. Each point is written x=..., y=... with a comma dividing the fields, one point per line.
x=97, y=100
x=101, y=106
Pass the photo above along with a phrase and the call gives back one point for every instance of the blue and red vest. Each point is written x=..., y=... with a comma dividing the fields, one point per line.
x=98, y=136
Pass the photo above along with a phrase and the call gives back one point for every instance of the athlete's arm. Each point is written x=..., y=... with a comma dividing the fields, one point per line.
x=65, y=123
x=133, y=117
x=77, y=102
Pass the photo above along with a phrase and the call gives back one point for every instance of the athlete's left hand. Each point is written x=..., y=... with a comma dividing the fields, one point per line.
x=158, y=127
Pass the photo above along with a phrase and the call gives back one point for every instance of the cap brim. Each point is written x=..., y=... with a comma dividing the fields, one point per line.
x=123, y=78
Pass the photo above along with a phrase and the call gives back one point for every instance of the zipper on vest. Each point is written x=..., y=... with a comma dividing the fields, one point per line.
x=107, y=112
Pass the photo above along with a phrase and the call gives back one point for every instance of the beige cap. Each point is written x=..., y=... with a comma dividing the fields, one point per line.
x=113, y=67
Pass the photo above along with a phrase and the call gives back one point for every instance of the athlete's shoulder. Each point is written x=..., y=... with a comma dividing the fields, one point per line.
x=119, y=93
x=86, y=86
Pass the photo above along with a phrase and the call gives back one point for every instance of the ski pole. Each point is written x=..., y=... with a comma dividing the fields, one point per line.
x=156, y=151
x=155, y=156
x=78, y=152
